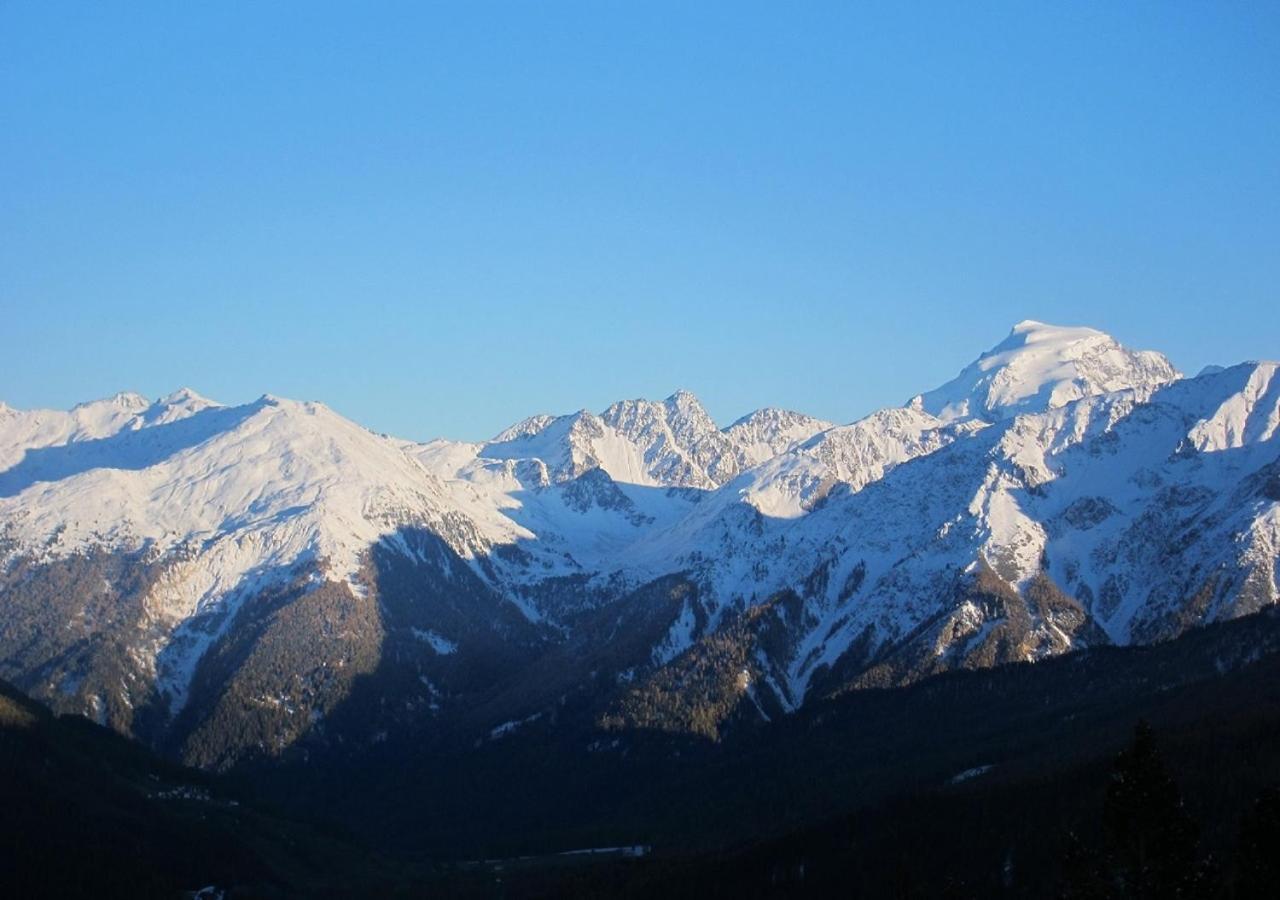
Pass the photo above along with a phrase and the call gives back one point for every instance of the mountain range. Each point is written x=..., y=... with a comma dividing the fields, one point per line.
x=236, y=585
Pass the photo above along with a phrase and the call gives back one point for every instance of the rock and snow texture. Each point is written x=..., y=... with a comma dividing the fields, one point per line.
x=1062, y=490
x=1148, y=508
x=232, y=499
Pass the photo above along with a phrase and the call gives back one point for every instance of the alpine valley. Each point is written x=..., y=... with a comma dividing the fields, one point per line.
x=271, y=591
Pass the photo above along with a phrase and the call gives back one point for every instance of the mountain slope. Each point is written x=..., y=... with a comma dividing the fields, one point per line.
x=222, y=581
x=86, y=813
x=1125, y=517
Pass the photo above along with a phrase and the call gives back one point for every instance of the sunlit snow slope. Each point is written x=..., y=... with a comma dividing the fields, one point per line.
x=1061, y=491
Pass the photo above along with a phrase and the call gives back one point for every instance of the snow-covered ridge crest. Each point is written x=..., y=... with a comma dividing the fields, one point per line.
x=1040, y=367
x=1248, y=416
x=671, y=443
x=789, y=484
x=199, y=470
x=24, y=430
x=184, y=469
x=765, y=433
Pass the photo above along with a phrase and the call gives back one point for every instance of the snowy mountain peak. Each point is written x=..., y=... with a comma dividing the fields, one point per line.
x=670, y=443
x=122, y=400
x=1039, y=367
x=524, y=428
x=178, y=405
x=679, y=442
x=186, y=396
x=687, y=404
x=767, y=432
x=1037, y=330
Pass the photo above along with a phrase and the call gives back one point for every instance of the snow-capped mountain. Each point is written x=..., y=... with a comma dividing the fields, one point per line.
x=220, y=580
x=1039, y=367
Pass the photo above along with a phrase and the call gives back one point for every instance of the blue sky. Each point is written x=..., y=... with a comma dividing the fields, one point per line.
x=439, y=218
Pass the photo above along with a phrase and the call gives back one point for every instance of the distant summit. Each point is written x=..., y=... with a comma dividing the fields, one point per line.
x=1039, y=367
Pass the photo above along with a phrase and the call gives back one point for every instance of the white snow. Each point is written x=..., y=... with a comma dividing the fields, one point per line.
x=969, y=774
x=1004, y=464
x=438, y=642
x=1040, y=367
x=507, y=728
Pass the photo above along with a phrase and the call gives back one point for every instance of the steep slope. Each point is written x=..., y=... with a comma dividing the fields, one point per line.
x=577, y=493
x=792, y=482
x=86, y=813
x=1122, y=518
x=168, y=538
x=767, y=432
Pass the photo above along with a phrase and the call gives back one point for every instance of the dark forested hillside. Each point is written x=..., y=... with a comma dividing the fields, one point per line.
x=990, y=770
x=997, y=782
x=87, y=813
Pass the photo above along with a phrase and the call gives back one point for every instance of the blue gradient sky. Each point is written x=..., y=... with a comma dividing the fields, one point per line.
x=440, y=218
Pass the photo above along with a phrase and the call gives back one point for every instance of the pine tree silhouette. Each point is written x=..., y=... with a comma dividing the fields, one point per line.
x=1148, y=840
x=1082, y=874
x=1259, y=863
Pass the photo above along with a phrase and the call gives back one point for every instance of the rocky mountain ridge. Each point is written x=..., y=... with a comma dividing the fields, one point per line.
x=224, y=580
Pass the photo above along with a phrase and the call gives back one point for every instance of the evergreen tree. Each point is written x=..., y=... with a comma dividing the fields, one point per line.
x=1259, y=855
x=1150, y=839
x=1082, y=874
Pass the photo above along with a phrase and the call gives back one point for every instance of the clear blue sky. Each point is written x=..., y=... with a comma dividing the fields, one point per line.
x=441, y=218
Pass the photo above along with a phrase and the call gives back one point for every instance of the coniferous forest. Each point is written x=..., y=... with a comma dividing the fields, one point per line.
x=1138, y=772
